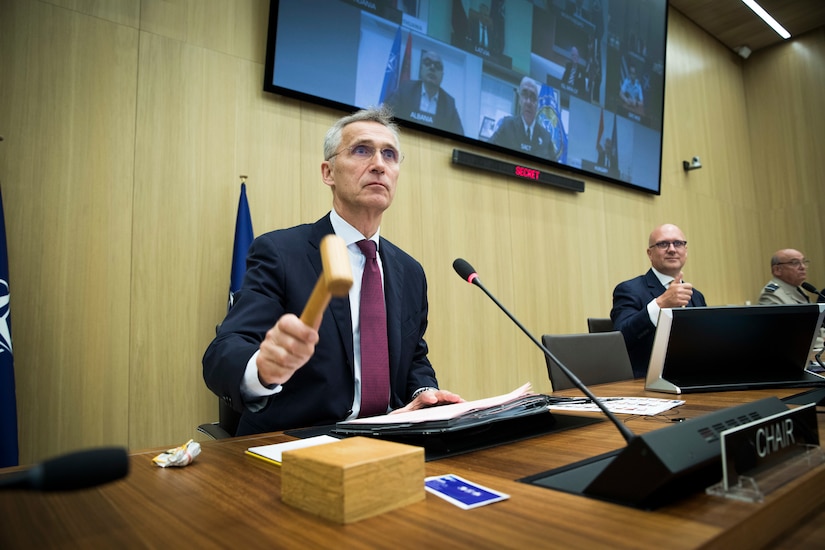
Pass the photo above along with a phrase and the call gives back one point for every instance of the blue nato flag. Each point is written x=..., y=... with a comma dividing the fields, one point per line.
x=9, y=454
x=243, y=239
x=393, y=69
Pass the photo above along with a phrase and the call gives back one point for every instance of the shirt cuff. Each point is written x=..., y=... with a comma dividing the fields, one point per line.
x=251, y=386
x=653, y=310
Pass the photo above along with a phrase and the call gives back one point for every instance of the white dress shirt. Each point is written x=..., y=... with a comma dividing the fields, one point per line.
x=253, y=391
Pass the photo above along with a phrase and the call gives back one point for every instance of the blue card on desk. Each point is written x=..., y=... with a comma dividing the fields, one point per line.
x=461, y=492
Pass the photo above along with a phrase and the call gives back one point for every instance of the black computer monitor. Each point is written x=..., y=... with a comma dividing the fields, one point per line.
x=734, y=347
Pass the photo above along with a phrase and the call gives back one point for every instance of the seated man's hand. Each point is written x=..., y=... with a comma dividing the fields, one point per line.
x=430, y=398
x=286, y=348
x=678, y=294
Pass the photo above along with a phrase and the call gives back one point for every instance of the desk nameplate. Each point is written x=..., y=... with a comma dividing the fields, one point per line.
x=760, y=456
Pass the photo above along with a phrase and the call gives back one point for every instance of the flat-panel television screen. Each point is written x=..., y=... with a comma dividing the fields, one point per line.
x=572, y=84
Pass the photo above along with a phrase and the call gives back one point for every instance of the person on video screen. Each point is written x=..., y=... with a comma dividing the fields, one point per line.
x=593, y=73
x=523, y=132
x=608, y=157
x=573, y=77
x=424, y=100
x=631, y=92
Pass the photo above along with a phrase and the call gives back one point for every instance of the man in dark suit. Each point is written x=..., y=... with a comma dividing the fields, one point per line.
x=608, y=157
x=524, y=132
x=637, y=302
x=424, y=100
x=283, y=374
x=573, y=77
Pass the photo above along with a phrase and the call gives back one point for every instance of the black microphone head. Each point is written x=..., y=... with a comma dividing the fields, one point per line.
x=80, y=470
x=809, y=287
x=464, y=270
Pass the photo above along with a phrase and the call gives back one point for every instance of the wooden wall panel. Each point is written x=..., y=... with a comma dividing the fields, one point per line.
x=184, y=190
x=67, y=162
x=120, y=173
x=236, y=28
x=122, y=12
x=706, y=116
x=787, y=140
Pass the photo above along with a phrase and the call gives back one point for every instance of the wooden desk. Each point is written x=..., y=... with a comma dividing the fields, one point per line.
x=228, y=499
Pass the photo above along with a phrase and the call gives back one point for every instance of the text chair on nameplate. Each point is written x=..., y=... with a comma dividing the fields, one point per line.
x=599, y=324
x=595, y=358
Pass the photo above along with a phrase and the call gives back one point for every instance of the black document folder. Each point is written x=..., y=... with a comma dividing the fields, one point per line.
x=522, y=407
x=480, y=428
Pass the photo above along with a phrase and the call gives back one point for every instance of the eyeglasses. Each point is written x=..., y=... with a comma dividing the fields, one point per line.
x=366, y=152
x=795, y=263
x=437, y=65
x=664, y=245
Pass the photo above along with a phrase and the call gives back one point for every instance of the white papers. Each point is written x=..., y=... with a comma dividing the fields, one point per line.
x=442, y=412
x=645, y=406
x=272, y=453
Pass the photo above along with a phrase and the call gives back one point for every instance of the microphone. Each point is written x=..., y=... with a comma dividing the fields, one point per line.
x=654, y=468
x=78, y=470
x=466, y=272
x=812, y=289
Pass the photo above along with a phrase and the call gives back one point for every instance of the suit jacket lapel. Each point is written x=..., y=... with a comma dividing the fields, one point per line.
x=653, y=284
x=339, y=307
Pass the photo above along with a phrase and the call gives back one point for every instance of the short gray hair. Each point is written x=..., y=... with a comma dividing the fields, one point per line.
x=528, y=82
x=382, y=115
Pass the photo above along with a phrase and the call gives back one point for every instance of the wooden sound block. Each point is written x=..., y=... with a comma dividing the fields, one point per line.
x=352, y=479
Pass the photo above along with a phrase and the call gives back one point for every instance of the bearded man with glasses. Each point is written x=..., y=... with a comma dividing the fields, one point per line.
x=282, y=374
x=424, y=100
x=637, y=302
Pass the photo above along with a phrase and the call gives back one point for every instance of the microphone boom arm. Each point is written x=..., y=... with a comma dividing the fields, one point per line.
x=625, y=431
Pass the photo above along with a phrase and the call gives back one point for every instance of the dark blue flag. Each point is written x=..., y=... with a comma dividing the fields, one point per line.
x=461, y=26
x=243, y=238
x=9, y=455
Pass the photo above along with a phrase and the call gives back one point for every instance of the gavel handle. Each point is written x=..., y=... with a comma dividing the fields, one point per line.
x=317, y=303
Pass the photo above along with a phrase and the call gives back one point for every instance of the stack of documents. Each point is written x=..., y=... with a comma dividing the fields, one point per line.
x=521, y=402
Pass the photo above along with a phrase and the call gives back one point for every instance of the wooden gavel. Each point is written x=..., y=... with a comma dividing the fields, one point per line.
x=335, y=279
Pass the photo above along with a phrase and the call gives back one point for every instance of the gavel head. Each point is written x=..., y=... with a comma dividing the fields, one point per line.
x=337, y=274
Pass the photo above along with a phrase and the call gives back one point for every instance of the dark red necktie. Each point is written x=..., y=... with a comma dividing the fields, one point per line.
x=375, y=360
